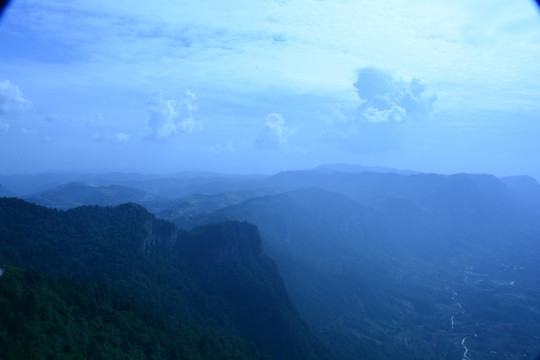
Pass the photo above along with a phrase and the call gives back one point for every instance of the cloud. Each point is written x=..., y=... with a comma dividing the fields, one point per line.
x=388, y=100
x=371, y=81
x=51, y=118
x=118, y=137
x=274, y=132
x=4, y=127
x=386, y=106
x=108, y=136
x=170, y=117
x=12, y=103
x=12, y=100
x=26, y=131
x=391, y=113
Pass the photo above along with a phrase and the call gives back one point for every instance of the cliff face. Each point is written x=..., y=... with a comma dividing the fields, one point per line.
x=214, y=276
x=241, y=279
x=224, y=242
x=159, y=234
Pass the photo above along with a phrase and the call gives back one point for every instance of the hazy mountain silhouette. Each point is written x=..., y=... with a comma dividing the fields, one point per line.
x=76, y=194
x=355, y=168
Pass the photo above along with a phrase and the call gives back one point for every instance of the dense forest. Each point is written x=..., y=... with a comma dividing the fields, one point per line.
x=214, y=276
x=48, y=318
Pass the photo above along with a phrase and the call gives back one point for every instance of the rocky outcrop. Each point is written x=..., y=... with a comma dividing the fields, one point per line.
x=223, y=242
x=159, y=233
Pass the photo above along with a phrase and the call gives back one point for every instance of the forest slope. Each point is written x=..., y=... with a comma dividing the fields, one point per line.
x=214, y=276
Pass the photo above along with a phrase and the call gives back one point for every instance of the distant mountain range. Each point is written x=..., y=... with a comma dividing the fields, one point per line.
x=77, y=194
x=169, y=185
x=355, y=168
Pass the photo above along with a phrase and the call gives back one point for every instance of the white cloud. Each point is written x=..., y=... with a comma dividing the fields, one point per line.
x=96, y=119
x=26, y=131
x=12, y=100
x=389, y=100
x=118, y=137
x=108, y=136
x=274, y=132
x=387, y=104
x=373, y=114
x=170, y=117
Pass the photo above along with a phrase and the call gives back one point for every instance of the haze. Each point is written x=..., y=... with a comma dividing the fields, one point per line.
x=257, y=87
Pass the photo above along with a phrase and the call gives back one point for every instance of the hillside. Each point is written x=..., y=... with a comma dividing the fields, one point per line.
x=213, y=276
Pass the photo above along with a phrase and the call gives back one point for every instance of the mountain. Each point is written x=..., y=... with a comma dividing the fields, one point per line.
x=174, y=187
x=522, y=184
x=339, y=262
x=525, y=187
x=384, y=265
x=76, y=194
x=468, y=198
x=354, y=168
x=213, y=276
x=184, y=211
x=368, y=187
x=163, y=186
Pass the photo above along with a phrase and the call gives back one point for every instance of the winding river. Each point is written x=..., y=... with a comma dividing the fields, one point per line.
x=465, y=357
x=453, y=322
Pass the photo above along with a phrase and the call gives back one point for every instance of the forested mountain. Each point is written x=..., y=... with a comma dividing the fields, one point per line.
x=213, y=276
x=185, y=210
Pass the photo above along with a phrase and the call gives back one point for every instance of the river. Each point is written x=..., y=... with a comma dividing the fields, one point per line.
x=453, y=322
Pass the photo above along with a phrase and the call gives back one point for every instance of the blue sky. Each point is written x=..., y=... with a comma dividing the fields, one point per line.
x=262, y=86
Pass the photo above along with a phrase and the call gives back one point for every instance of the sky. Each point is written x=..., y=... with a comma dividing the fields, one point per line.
x=261, y=86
